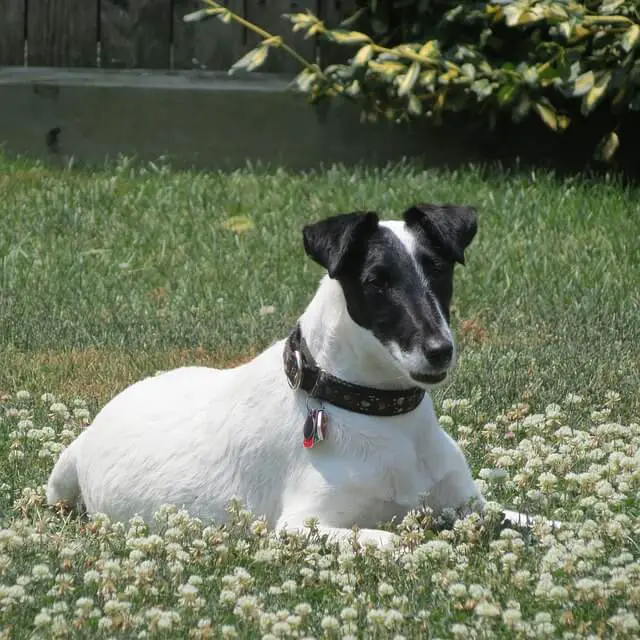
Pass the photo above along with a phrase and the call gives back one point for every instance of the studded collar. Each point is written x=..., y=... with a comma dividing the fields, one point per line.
x=303, y=373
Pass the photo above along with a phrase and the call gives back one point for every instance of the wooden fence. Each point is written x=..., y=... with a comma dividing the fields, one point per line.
x=148, y=34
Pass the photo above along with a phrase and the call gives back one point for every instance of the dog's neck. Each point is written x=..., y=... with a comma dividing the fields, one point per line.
x=343, y=348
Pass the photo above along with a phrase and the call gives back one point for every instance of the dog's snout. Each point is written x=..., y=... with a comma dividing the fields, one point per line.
x=439, y=352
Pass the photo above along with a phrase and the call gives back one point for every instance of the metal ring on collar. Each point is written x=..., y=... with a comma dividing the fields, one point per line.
x=296, y=379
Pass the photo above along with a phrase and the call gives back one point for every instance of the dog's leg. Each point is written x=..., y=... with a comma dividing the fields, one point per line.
x=377, y=537
x=525, y=520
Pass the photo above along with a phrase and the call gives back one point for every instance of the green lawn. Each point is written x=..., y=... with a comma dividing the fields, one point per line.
x=111, y=275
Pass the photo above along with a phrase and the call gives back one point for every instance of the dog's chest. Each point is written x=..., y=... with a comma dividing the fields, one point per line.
x=386, y=467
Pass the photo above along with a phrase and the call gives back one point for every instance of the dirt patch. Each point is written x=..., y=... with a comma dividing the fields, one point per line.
x=98, y=373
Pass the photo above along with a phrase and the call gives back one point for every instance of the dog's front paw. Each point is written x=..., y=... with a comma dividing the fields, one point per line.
x=378, y=538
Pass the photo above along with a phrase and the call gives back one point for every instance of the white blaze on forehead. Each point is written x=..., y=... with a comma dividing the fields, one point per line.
x=399, y=229
x=409, y=242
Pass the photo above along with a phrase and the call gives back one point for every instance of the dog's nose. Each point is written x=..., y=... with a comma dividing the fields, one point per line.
x=439, y=352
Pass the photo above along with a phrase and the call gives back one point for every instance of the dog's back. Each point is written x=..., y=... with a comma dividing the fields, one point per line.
x=172, y=438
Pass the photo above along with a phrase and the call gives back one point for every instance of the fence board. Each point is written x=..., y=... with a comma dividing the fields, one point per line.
x=135, y=34
x=11, y=32
x=268, y=15
x=209, y=45
x=62, y=33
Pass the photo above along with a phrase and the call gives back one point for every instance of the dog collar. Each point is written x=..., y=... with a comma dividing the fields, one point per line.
x=303, y=373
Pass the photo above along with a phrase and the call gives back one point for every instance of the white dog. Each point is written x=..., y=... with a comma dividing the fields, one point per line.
x=332, y=423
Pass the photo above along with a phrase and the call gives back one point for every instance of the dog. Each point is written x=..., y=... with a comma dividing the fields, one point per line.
x=334, y=422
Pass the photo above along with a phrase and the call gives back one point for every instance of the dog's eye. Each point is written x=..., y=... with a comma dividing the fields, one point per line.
x=380, y=279
x=430, y=267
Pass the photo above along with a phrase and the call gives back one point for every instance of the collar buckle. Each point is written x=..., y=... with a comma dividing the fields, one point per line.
x=295, y=375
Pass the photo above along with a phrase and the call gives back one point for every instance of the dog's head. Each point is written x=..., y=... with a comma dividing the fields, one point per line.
x=397, y=279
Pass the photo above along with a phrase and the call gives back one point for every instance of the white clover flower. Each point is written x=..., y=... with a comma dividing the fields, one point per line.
x=227, y=597
x=91, y=577
x=460, y=631
x=41, y=572
x=59, y=408
x=446, y=421
x=105, y=624
x=477, y=591
x=303, y=609
x=439, y=550
x=247, y=607
x=385, y=589
x=486, y=609
x=348, y=614
x=42, y=619
x=376, y=617
x=393, y=618
x=330, y=623
x=281, y=629
x=457, y=590
x=289, y=586
x=624, y=622
x=511, y=618
x=612, y=397
x=81, y=414
x=23, y=395
x=227, y=631
x=558, y=593
x=547, y=482
x=26, y=426
x=111, y=569
x=167, y=620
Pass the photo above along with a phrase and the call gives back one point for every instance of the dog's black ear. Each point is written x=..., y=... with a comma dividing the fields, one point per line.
x=332, y=241
x=449, y=227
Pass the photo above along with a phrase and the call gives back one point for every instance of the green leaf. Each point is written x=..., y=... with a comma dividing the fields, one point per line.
x=584, y=83
x=596, y=93
x=251, y=60
x=427, y=78
x=610, y=6
x=408, y=79
x=506, y=93
x=347, y=37
x=415, y=105
x=630, y=38
x=522, y=110
x=203, y=14
x=238, y=224
x=429, y=50
x=468, y=70
x=388, y=69
x=363, y=56
x=482, y=88
x=530, y=76
x=608, y=146
x=304, y=80
x=547, y=114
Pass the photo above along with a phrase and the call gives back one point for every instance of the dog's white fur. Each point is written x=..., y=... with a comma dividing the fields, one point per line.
x=199, y=437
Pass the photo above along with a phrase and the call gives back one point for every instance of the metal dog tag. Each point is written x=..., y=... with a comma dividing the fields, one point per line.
x=315, y=428
x=321, y=424
x=308, y=433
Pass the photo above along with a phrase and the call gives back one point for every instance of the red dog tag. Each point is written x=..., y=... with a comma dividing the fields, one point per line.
x=315, y=428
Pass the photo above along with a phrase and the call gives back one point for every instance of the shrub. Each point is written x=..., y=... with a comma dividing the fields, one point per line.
x=558, y=59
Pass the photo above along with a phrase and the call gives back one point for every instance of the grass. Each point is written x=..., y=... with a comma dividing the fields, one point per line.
x=108, y=276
